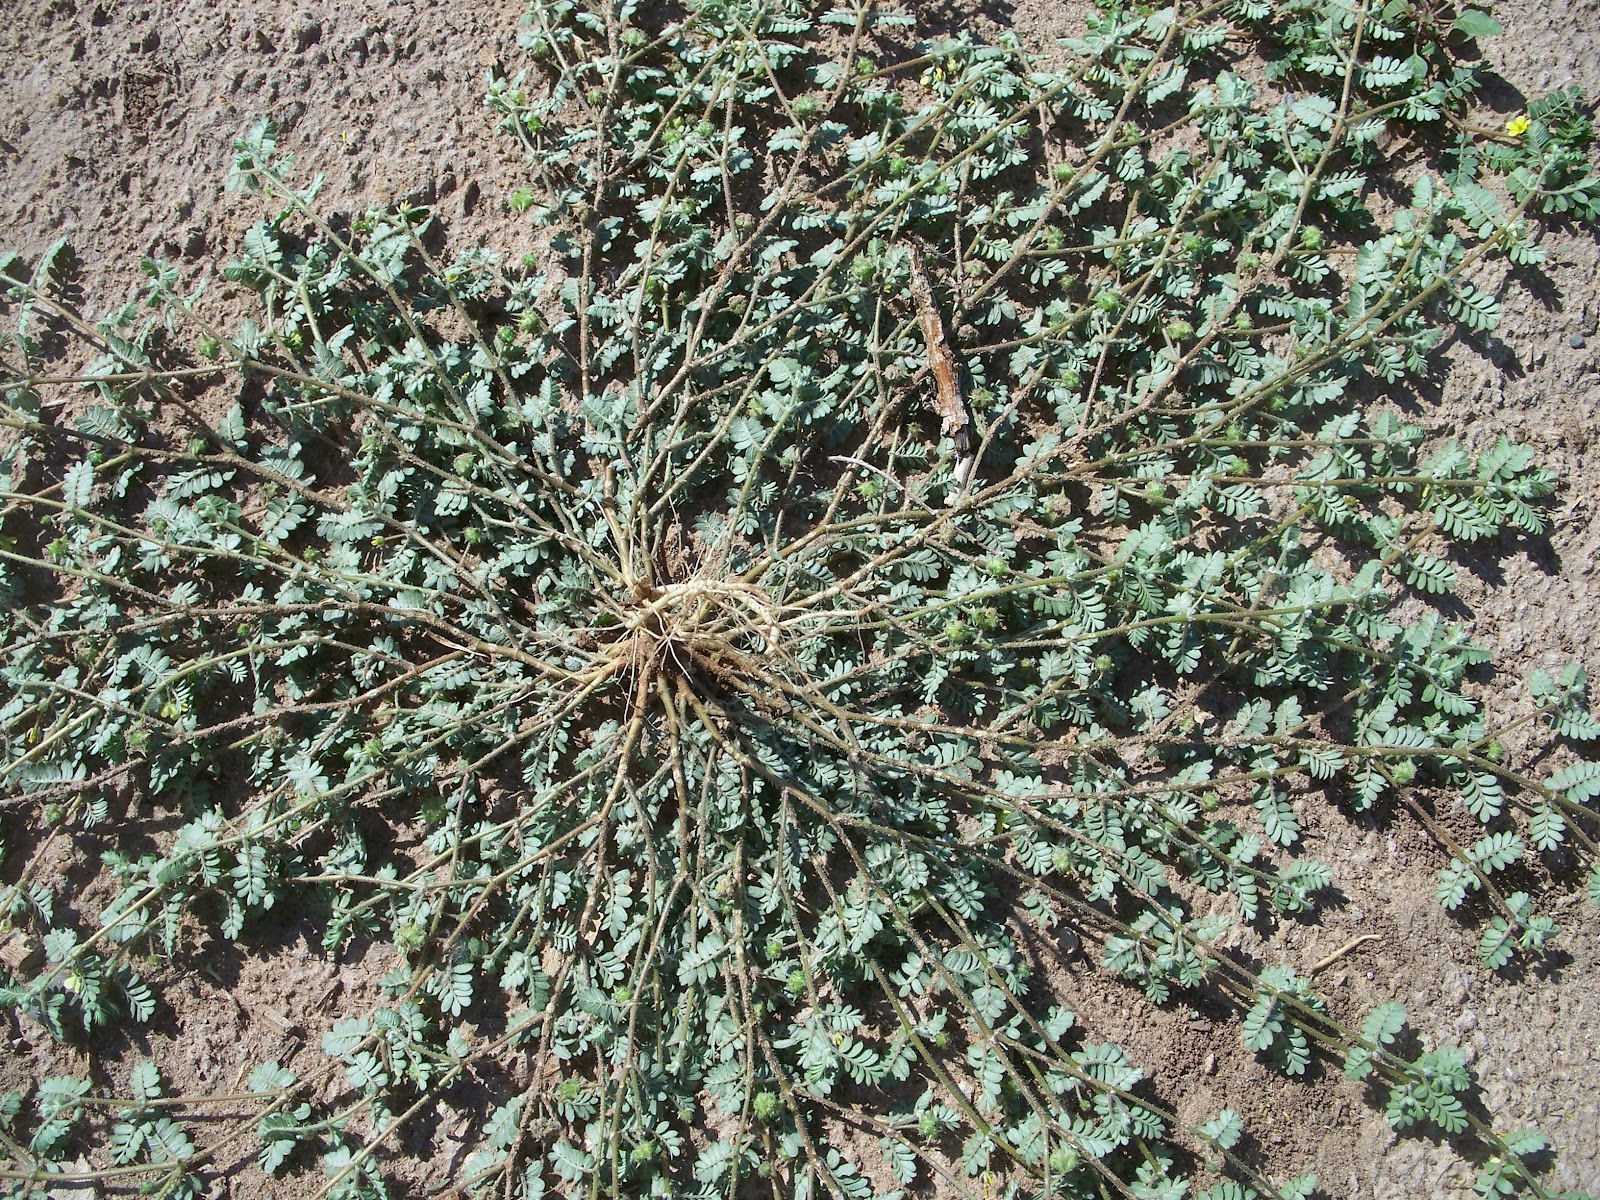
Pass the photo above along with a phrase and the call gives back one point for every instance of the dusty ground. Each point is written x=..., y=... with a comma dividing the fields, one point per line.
x=115, y=127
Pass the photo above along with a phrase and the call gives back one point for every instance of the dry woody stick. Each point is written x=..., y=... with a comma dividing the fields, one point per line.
x=954, y=422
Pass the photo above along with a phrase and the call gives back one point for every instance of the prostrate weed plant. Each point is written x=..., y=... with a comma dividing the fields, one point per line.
x=931, y=503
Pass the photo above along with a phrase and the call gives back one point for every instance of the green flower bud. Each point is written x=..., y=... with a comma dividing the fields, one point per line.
x=1063, y=1160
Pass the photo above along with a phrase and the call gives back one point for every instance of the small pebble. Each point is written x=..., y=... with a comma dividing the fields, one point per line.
x=1576, y=341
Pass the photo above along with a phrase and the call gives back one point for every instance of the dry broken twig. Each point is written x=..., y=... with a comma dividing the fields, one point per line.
x=1322, y=964
x=954, y=421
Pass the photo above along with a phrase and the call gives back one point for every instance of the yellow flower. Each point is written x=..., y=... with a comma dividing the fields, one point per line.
x=1517, y=126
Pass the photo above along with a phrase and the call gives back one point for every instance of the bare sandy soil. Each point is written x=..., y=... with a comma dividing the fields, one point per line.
x=116, y=123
